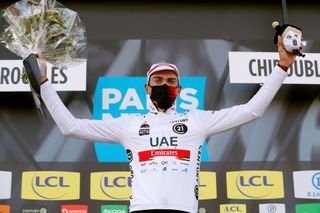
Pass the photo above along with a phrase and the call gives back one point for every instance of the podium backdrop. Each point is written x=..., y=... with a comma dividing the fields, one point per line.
x=251, y=167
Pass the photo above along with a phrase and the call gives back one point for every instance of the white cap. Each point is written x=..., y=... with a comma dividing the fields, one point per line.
x=160, y=67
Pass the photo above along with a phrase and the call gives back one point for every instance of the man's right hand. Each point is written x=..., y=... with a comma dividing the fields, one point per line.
x=43, y=67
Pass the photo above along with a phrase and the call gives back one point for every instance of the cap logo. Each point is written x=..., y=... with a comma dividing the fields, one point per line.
x=162, y=64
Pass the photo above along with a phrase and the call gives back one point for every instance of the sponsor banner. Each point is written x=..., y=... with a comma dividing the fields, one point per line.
x=255, y=185
x=272, y=208
x=34, y=209
x=50, y=185
x=229, y=208
x=74, y=209
x=254, y=67
x=4, y=209
x=110, y=186
x=307, y=184
x=65, y=79
x=117, y=96
x=114, y=209
x=208, y=186
x=308, y=208
x=116, y=186
x=5, y=184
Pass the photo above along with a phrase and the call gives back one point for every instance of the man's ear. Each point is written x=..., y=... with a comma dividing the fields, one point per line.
x=147, y=88
x=178, y=90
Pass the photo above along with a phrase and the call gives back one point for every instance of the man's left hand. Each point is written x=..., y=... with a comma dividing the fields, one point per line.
x=286, y=58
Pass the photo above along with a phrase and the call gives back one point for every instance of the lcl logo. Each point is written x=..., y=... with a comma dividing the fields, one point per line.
x=233, y=208
x=254, y=181
x=110, y=185
x=51, y=181
x=255, y=184
x=117, y=181
x=50, y=185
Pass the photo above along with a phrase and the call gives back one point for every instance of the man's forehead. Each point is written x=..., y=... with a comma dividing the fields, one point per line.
x=164, y=73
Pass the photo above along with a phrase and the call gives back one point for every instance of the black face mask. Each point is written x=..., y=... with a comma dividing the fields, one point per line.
x=163, y=96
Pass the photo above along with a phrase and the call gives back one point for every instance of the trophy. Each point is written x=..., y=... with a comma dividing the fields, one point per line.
x=292, y=37
x=30, y=27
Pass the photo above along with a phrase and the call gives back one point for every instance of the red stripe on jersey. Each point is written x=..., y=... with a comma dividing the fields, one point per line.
x=178, y=153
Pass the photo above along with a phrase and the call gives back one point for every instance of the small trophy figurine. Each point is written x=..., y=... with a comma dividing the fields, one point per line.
x=29, y=27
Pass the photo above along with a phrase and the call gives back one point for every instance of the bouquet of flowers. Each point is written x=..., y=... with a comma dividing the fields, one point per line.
x=44, y=26
x=29, y=27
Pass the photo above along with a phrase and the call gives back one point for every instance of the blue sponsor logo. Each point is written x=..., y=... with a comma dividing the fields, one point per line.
x=316, y=180
x=272, y=208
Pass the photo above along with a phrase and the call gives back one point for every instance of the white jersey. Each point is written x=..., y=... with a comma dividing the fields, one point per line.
x=164, y=149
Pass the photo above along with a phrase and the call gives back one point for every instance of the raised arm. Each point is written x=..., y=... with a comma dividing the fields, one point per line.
x=213, y=122
x=91, y=130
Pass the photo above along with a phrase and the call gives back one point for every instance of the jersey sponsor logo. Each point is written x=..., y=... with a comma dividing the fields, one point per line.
x=148, y=155
x=144, y=129
x=4, y=209
x=272, y=208
x=308, y=208
x=307, y=184
x=5, y=184
x=114, y=209
x=196, y=191
x=110, y=185
x=50, y=185
x=184, y=170
x=180, y=120
x=198, y=167
x=74, y=209
x=130, y=158
x=233, y=208
x=255, y=185
x=129, y=154
x=163, y=141
x=117, y=96
x=164, y=162
x=180, y=128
